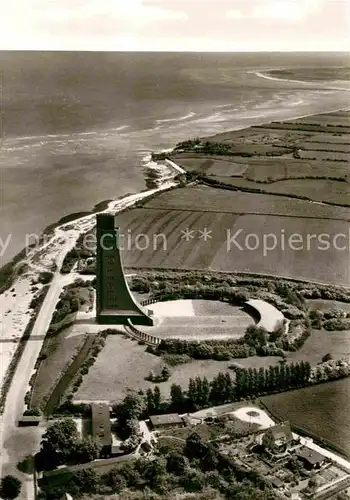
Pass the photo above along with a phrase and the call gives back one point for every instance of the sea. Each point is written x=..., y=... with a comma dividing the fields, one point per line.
x=78, y=127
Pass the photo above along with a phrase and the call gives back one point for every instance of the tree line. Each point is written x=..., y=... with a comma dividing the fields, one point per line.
x=224, y=388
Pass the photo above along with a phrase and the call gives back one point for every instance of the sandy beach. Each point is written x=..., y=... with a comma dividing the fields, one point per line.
x=14, y=303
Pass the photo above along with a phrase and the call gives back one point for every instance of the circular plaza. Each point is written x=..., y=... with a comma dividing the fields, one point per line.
x=197, y=319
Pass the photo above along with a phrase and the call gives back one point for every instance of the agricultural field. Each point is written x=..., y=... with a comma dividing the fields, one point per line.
x=165, y=244
x=326, y=146
x=309, y=262
x=332, y=119
x=317, y=220
x=259, y=135
x=322, y=190
x=323, y=155
x=214, y=166
x=271, y=169
x=322, y=410
x=313, y=75
x=207, y=199
x=329, y=139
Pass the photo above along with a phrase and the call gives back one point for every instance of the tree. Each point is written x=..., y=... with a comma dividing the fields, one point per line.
x=10, y=487
x=115, y=480
x=61, y=436
x=177, y=396
x=87, y=480
x=165, y=373
x=132, y=407
x=194, y=447
x=150, y=401
x=86, y=450
x=205, y=392
x=192, y=392
x=210, y=459
x=156, y=397
x=326, y=357
x=176, y=463
x=193, y=481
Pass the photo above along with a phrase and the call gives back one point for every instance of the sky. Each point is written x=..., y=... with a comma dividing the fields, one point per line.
x=176, y=25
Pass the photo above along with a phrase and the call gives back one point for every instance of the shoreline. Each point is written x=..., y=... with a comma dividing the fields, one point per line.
x=267, y=76
x=105, y=205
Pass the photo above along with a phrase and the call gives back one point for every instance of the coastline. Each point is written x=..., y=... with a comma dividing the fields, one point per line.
x=16, y=297
x=107, y=205
x=56, y=241
x=267, y=76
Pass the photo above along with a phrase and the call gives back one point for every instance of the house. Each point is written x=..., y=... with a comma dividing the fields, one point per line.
x=311, y=459
x=26, y=420
x=166, y=421
x=101, y=427
x=276, y=482
x=277, y=439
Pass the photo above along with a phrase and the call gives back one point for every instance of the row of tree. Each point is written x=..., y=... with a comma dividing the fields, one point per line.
x=253, y=382
x=224, y=388
x=293, y=292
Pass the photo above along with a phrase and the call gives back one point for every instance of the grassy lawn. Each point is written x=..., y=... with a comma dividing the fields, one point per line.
x=320, y=343
x=123, y=363
x=60, y=351
x=211, y=319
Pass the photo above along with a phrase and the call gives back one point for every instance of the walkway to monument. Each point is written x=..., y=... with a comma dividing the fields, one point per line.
x=141, y=336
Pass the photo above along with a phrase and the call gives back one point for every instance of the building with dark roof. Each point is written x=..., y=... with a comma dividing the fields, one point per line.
x=101, y=427
x=276, y=482
x=311, y=459
x=26, y=420
x=277, y=439
x=166, y=421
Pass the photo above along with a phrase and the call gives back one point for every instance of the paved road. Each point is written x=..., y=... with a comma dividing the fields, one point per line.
x=20, y=442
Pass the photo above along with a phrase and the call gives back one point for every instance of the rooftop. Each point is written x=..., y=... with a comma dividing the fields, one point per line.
x=101, y=424
x=281, y=432
x=311, y=456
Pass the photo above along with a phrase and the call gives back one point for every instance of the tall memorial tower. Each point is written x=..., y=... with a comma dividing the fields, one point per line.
x=114, y=301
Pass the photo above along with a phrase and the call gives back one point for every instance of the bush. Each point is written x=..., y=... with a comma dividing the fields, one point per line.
x=10, y=487
x=45, y=277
